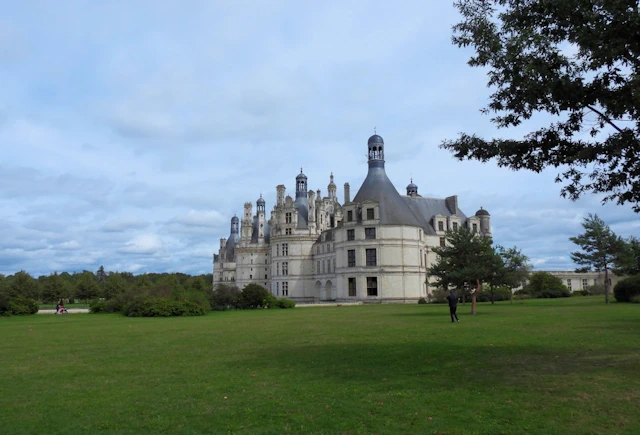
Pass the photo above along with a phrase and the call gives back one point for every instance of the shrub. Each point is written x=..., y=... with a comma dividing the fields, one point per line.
x=225, y=298
x=97, y=306
x=197, y=297
x=597, y=289
x=285, y=303
x=422, y=301
x=21, y=305
x=635, y=299
x=162, y=307
x=627, y=288
x=254, y=296
x=546, y=285
x=499, y=294
x=561, y=292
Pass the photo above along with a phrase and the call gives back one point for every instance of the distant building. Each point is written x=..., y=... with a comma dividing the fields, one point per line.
x=576, y=281
x=374, y=248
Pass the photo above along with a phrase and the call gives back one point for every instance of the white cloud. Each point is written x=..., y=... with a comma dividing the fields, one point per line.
x=124, y=223
x=195, y=218
x=145, y=244
x=71, y=245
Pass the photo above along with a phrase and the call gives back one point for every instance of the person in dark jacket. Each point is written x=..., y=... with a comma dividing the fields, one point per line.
x=453, y=306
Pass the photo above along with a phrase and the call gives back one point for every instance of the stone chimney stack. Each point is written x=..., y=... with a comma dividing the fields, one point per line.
x=347, y=193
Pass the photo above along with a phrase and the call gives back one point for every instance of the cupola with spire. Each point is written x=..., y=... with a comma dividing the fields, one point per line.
x=412, y=189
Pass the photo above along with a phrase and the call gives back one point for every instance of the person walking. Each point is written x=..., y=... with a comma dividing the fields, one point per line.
x=453, y=306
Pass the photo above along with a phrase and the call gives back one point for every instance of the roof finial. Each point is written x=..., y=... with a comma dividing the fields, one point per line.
x=374, y=130
x=301, y=170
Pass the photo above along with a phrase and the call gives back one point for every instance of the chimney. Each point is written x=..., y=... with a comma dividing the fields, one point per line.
x=347, y=193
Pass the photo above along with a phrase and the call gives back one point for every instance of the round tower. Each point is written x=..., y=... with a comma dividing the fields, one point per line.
x=412, y=189
x=332, y=188
x=485, y=221
x=376, y=151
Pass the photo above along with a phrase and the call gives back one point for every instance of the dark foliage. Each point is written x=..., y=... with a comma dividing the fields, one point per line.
x=499, y=294
x=225, y=297
x=627, y=289
x=255, y=296
x=577, y=60
x=20, y=305
x=422, y=301
x=162, y=307
x=545, y=285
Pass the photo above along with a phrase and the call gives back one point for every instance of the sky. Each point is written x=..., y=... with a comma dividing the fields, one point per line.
x=131, y=132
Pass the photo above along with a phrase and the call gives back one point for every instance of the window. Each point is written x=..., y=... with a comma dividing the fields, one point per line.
x=475, y=228
x=584, y=284
x=349, y=215
x=440, y=226
x=285, y=268
x=252, y=261
x=287, y=231
x=287, y=218
x=328, y=266
x=285, y=249
x=420, y=234
x=371, y=257
x=323, y=249
x=455, y=226
x=277, y=268
x=265, y=277
x=369, y=233
x=318, y=266
x=266, y=262
x=442, y=242
x=323, y=266
x=250, y=276
x=351, y=255
x=285, y=289
x=370, y=214
x=277, y=289
x=334, y=265
x=372, y=286
x=351, y=235
x=421, y=264
x=352, y=286
x=277, y=250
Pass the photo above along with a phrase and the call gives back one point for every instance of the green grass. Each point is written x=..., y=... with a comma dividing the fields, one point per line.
x=567, y=366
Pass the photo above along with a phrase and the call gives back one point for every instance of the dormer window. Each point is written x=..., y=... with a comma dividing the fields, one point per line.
x=440, y=226
x=370, y=214
x=350, y=216
x=455, y=226
x=287, y=218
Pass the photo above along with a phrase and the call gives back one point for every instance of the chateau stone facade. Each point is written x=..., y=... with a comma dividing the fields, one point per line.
x=375, y=247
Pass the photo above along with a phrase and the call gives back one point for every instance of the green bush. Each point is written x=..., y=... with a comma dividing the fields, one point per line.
x=162, y=307
x=97, y=306
x=422, y=301
x=627, y=288
x=285, y=303
x=225, y=297
x=254, y=296
x=21, y=305
x=499, y=294
x=635, y=299
x=546, y=285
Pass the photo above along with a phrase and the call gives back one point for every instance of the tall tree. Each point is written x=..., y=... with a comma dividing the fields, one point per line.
x=87, y=287
x=576, y=60
x=600, y=248
x=23, y=284
x=115, y=286
x=516, y=268
x=101, y=276
x=628, y=263
x=467, y=259
x=54, y=288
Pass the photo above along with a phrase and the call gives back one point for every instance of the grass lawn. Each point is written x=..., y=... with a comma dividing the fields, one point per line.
x=567, y=366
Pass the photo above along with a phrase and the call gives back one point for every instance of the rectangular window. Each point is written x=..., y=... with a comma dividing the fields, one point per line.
x=285, y=249
x=369, y=233
x=277, y=289
x=443, y=242
x=371, y=257
x=372, y=286
x=352, y=286
x=287, y=231
x=250, y=276
x=277, y=250
x=350, y=216
x=334, y=265
x=285, y=268
x=323, y=249
x=287, y=218
x=440, y=226
x=351, y=255
x=370, y=214
x=351, y=235
x=322, y=266
x=455, y=226
x=277, y=269
x=421, y=264
x=285, y=289
x=318, y=266
x=584, y=284
x=265, y=277
x=569, y=284
x=475, y=228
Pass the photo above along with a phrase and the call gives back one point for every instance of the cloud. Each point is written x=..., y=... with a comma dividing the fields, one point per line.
x=193, y=218
x=71, y=245
x=122, y=224
x=145, y=244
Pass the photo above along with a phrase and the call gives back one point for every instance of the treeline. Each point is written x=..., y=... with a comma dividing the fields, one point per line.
x=21, y=293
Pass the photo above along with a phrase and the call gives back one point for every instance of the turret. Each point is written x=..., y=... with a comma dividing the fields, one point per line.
x=260, y=206
x=247, y=222
x=485, y=221
x=412, y=189
x=332, y=187
x=302, y=203
x=376, y=151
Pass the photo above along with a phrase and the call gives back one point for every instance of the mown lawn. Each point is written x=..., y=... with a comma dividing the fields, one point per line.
x=551, y=367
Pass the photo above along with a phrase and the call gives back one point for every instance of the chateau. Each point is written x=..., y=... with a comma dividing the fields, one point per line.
x=375, y=247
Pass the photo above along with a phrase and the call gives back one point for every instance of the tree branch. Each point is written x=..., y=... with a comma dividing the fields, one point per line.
x=609, y=121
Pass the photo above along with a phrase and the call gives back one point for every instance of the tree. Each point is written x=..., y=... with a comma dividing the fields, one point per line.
x=23, y=284
x=467, y=259
x=628, y=262
x=600, y=248
x=115, y=286
x=54, y=288
x=101, y=276
x=516, y=268
x=86, y=287
x=545, y=285
x=576, y=60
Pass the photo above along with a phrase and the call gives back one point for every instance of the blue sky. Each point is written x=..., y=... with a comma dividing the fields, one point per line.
x=131, y=132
